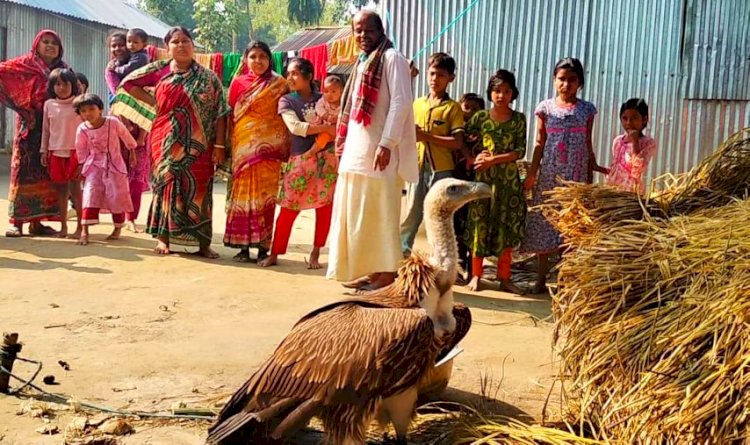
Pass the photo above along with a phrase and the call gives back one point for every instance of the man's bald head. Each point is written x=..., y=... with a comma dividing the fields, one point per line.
x=370, y=15
x=368, y=30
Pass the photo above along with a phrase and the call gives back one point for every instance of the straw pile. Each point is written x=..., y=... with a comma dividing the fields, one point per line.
x=652, y=308
x=655, y=327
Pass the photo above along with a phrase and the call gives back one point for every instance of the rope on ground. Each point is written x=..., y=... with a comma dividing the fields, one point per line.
x=65, y=400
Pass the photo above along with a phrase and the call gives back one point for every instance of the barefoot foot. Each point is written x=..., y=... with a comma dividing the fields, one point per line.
x=39, y=229
x=83, y=240
x=63, y=233
x=510, y=286
x=539, y=288
x=314, y=263
x=356, y=284
x=131, y=226
x=474, y=284
x=76, y=234
x=115, y=234
x=270, y=260
x=162, y=248
x=380, y=280
x=207, y=252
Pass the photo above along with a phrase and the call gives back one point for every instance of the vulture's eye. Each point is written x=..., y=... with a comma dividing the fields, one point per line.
x=452, y=189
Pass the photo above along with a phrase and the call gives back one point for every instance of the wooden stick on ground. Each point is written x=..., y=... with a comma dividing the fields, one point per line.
x=8, y=351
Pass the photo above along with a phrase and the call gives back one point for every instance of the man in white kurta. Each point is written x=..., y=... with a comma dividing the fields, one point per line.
x=376, y=159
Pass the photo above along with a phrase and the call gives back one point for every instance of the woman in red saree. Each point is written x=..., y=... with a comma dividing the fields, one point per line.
x=187, y=141
x=260, y=143
x=23, y=88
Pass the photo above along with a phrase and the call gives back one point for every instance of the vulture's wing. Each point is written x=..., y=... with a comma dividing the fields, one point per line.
x=462, y=314
x=347, y=354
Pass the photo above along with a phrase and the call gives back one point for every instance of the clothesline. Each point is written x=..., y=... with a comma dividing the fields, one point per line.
x=323, y=56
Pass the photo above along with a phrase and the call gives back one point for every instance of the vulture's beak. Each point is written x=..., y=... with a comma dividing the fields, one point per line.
x=480, y=190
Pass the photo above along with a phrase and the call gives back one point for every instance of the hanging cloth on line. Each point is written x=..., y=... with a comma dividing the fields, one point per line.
x=277, y=62
x=318, y=55
x=217, y=64
x=231, y=63
x=343, y=51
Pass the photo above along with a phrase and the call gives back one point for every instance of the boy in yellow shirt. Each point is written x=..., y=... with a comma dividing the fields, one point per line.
x=440, y=131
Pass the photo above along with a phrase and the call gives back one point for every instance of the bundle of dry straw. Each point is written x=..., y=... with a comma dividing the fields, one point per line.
x=653, y=309
x=652, y=306
x=654, y=325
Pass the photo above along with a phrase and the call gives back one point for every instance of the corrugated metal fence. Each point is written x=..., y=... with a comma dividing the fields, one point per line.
x=84, y=43
x=690, y=59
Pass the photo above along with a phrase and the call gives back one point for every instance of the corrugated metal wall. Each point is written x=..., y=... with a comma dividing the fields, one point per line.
x=84, y=43
x=630, y=48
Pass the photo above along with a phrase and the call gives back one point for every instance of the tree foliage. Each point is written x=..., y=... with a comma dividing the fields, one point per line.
x=171, y=12
x=336, y=12
x=305, y=12
x=221, y=25
x=270, y=21
x=216, y=22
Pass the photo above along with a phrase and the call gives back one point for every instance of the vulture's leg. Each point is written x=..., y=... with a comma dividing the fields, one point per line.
x=400, y=408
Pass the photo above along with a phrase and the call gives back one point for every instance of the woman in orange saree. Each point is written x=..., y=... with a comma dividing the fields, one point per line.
x=260, y=143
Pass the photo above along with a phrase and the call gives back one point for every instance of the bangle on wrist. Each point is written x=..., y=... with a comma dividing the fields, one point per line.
x=219, y=146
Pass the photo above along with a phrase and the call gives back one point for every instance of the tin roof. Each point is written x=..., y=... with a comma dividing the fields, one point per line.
x=115, y=13
x=308, y=37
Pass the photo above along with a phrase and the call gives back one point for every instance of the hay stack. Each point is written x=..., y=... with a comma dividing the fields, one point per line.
x=652, y=306
x=653, y=309
x=654, y=321
x=718, y=180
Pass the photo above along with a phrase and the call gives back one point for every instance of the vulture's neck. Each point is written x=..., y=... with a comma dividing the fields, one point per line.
x=442, y=240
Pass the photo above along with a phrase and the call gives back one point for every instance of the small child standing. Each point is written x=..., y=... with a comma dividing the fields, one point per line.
x=631, y=151
x=59, y=126
x=327, y=107
x=563, y=149
x=496, y=225
x=101, y=164
x=464, y=160
x=440, y=131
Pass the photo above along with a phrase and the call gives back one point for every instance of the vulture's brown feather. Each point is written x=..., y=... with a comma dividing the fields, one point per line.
x=339, y=362
x=414, y=278
x=373, y=358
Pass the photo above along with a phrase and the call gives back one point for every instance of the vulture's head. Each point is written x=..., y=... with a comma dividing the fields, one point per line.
x=448, y=195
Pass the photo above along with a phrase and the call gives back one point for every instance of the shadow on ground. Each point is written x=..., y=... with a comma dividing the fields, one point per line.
x=437, y=423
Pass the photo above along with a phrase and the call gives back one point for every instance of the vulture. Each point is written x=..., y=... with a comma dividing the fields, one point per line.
x=353, y=359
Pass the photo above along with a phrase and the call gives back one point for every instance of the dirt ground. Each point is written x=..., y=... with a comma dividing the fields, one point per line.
x=142, y=332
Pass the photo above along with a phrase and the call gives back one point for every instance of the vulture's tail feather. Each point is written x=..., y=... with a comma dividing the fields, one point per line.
x=287, y=412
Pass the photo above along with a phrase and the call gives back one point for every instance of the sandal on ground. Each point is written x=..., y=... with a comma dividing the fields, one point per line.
x=242, y=257
x=13, y=232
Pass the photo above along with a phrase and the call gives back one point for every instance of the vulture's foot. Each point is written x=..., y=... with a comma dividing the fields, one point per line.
x=387, y=440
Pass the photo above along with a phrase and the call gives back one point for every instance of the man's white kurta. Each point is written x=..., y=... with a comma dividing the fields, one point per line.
x=367, y=203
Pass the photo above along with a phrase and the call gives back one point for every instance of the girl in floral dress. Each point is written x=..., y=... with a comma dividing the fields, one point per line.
x=564, y=150
x=495, y=226
x=309, y=177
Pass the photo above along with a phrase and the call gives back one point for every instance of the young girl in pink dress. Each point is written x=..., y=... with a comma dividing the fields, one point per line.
x=631, y=151
x=102, y=165
x=59, y=125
